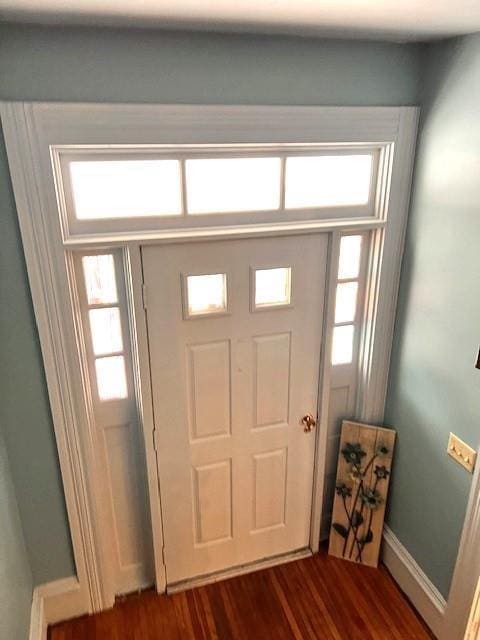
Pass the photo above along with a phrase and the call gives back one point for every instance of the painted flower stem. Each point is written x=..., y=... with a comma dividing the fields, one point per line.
x=355, y=540
x=350, y=528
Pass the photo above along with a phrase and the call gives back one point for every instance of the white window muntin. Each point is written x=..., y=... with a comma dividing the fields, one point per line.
x=62, y=156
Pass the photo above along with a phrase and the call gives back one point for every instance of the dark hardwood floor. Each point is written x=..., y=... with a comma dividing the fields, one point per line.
x=316, y=598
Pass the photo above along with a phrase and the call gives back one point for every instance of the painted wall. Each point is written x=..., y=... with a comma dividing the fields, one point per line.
x=16, y=585
x=434, y=387
x=109, y=65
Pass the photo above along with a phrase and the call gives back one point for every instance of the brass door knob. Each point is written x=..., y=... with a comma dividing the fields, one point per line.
x=309, y=422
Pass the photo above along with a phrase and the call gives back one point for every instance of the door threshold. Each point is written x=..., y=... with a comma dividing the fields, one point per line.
x=239, y=570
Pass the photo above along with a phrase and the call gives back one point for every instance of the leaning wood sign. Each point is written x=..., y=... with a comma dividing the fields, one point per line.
x=363, y=476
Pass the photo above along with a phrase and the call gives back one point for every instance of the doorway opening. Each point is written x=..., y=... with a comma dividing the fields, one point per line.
x=118, y=181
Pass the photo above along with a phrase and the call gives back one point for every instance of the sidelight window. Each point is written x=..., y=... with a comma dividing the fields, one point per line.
x=105, y=326
x=346, y=299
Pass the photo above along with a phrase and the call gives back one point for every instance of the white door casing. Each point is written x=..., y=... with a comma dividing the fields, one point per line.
x=229, y=392
x=34, y=131
x=122, y=467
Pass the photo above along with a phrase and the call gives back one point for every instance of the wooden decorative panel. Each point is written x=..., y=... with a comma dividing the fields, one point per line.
x=209, y=368
x=363, y=476
x=272, y=379
x=269, y=482
x=212, y=495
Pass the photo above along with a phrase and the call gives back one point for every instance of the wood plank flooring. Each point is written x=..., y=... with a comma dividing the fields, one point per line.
x=319, y=598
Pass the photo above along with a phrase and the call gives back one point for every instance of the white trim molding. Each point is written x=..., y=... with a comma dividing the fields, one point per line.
x=416, y=585
x=38, y=622
x=54, y=602
x=473, y=626
x=33, y=130
x=467, y=568
x=241, y=570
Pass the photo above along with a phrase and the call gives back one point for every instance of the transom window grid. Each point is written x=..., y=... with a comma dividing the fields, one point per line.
x=273, y=207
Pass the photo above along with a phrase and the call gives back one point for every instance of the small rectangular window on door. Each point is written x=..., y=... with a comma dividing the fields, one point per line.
x=204, y=295
x=272, y=287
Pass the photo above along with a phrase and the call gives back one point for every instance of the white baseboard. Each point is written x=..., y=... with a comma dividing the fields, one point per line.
x=423, y=594
x=54, y=602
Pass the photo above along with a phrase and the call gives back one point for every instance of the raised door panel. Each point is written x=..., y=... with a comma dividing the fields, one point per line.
x=209, y=368
x=269, y=489
x=271, y=379
x=212, y=495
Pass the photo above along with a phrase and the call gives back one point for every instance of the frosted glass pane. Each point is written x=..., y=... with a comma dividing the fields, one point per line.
x=349, y=261
x=100, y=282
x=327, y=181
x=106, y=330
x=125, y=188
x=111, y=378
x=207, y=294
x=342, y=347
x=346, y=302
x=272, y=287
x=232, y=184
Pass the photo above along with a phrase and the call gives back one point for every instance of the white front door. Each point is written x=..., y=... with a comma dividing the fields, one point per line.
x=235, y=332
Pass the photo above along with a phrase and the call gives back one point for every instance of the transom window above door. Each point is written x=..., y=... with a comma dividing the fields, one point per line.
x=116, y=190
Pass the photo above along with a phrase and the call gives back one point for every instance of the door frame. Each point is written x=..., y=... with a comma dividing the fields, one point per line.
x=463, y=605
x=31, y=132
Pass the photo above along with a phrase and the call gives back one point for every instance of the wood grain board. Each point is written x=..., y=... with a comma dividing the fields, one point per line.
x=352, y=517
x=319, y=598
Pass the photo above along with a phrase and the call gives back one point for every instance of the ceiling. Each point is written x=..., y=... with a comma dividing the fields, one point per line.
x=387, y=19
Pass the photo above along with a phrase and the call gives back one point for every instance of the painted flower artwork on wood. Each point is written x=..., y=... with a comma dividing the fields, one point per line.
x=363, y=476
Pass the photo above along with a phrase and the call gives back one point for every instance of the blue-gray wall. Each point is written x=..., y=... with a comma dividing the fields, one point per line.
x=148, y=66
x=434, y=387
x=16, y=583
x=109, y=65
